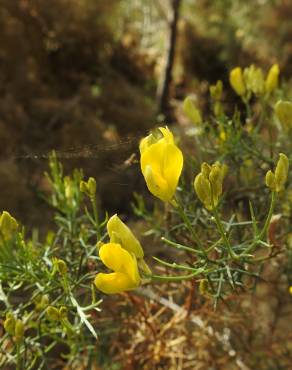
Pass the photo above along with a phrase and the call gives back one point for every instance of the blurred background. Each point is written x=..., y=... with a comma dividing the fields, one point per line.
x=89, y=78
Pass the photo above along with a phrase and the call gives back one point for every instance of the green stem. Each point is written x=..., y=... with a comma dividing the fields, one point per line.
x=181, y=246
x=188, y=223
x=173, y=278
x=266, y=225
x=19, y=362
x=96, y=216
x=247, y=107
x=222, y=231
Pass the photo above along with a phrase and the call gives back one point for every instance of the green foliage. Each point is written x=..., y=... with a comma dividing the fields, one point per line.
x=48, y=283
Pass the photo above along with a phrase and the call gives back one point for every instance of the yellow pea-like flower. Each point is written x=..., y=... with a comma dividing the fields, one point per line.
x=120, y=233
x=161, y=164
x=237, y=81
x=123, y=263
x=272, y=79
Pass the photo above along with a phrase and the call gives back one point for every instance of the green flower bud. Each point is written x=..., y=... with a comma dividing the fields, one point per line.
x=281, y=172
x=216, y=91
x=208, y=184
x=270, y=180
x=283, y=110
x=218, y=109
x=83, y=187
x=8, y=225
x=42, y=302
x=203, y=189
x=205, y=169
x=9, y=323
x=192, y=112
x=68, y=188
x=63, y=312
x=91, y=183
x=216, y=180
x=53, y=313
x=19, y=331
x=60, y=266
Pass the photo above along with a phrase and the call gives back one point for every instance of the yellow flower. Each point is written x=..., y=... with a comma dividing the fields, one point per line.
x=122, y=255
x=237, y=81
x=8, y=225
x=271, y=82
x=120, y=233
x=161, y=164
x=124, y=264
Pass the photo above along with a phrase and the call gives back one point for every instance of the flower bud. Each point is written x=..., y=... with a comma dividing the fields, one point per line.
x=9, y=323
x=83, y=187
x=53, y=313
x=68, y=188
x=63, y=312
x=208, y=183
x=205, y=169
x=60, y=266
x=203, y=189
x=281, y=172
x=91, y=183
x=8, y=225
x=19, y=331
x=271, y=82
x=216, y=91
x=42, y=302
x=283, y=110
x=192, y=112
x=237, y=81
x=216, y=180
x=270, y=180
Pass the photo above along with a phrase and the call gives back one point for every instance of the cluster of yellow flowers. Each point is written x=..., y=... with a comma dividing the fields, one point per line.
x=251, y=81
x=161, y=164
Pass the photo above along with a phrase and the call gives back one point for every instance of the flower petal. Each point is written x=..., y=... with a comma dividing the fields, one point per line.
x=119, y=260
x=172, y=167
x=113, y=283
x=156, y=184
x=119, y=232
